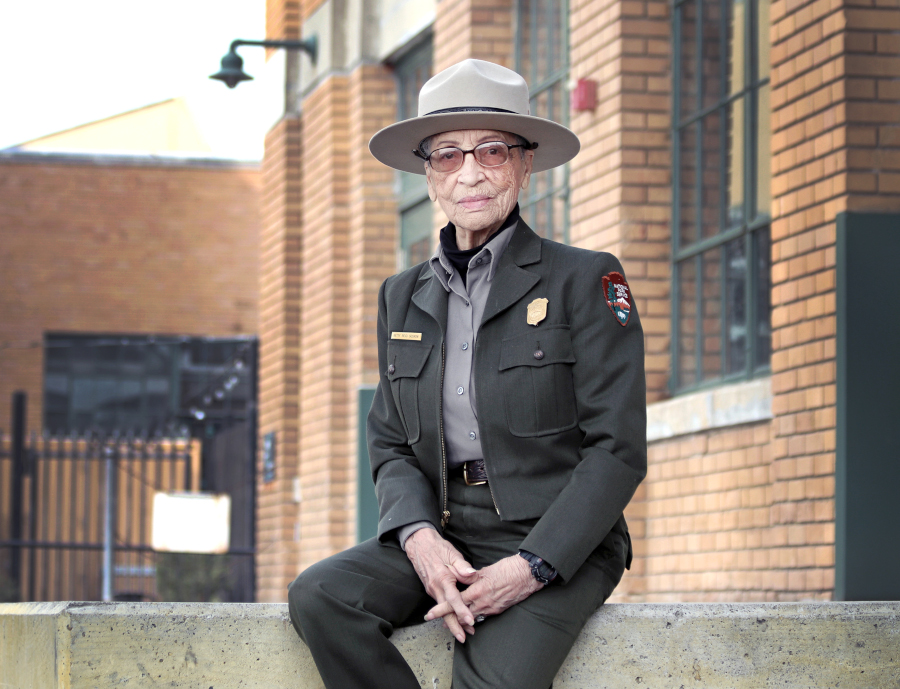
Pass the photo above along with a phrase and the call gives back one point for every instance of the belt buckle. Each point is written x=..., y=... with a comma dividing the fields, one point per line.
x=466, y=477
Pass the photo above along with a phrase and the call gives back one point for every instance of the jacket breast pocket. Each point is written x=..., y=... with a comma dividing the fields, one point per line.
x=536, y=382
x=405, y=363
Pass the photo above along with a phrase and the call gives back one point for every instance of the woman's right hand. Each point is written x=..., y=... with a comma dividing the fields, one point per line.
x=440, y=566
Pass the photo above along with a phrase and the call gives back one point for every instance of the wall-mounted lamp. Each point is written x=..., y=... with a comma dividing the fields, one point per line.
x=232, y=72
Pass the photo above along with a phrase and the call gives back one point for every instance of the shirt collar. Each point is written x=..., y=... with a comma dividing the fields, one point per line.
x=493, y=251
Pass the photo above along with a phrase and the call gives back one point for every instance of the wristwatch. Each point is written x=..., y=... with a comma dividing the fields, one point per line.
x=540, y=570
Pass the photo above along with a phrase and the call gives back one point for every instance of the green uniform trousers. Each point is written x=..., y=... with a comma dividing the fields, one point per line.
x=346, y=607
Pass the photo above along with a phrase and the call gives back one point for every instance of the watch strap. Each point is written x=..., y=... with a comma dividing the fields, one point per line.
x=540, y=570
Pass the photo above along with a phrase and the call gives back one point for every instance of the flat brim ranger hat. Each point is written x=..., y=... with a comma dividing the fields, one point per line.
x=474, y=94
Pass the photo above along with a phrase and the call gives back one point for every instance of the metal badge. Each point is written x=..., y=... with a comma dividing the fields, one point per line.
x=537, y=311
x=406, y=336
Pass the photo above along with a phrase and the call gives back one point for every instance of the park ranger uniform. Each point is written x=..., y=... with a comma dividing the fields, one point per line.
x=555, y=365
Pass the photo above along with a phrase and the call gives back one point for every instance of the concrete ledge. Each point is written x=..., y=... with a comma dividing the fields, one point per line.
x=194, y=645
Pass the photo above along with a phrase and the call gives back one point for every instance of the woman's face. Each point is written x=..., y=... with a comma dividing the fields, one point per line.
x=478, y=199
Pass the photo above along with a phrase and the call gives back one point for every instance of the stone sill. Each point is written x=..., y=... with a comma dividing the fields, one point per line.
x=252, y=645
x=719, y=407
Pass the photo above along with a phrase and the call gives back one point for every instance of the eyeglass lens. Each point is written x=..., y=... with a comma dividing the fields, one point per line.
x=489, y=154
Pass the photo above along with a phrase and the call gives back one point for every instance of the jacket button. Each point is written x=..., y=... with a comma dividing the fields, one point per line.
x=391, y=369
x=539, y=354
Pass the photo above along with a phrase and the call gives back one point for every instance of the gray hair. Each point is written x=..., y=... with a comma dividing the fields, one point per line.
x=425, y=145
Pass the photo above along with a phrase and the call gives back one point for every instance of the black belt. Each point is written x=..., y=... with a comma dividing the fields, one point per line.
x=474, y=473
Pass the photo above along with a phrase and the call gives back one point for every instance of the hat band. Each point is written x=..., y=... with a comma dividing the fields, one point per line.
x=475, y=109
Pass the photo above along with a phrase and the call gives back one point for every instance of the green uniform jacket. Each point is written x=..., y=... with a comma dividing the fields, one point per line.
x=563, y=433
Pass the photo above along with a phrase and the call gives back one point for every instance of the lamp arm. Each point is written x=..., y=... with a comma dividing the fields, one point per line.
x=310, y=45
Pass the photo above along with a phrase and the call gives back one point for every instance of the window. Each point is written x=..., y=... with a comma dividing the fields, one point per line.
x=722, y=191
x=542, y=57
x=147, y=385
x=411, y=72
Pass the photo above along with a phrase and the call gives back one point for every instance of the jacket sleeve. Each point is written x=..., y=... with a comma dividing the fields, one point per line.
x=404, y=493
x=610, y=392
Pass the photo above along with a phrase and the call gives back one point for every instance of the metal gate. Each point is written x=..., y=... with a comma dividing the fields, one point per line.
x=75, y=519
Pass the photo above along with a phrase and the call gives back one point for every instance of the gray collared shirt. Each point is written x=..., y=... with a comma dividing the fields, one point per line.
x=465, y=308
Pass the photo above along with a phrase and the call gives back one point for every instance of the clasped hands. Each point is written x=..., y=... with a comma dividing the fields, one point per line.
x=490, y=590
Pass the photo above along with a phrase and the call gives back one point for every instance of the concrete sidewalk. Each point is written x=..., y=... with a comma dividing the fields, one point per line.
x=658, y=646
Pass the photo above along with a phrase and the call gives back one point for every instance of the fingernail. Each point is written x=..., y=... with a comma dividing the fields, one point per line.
x=428, y=618
x=469, y=571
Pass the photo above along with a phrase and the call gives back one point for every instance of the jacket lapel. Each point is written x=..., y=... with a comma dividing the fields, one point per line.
x=431, y=297
x=511, y=281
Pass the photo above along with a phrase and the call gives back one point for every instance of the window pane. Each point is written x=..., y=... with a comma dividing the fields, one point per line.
x=540, y=39
x=419, y=251
x=551, y=103
x=762, y=38
x=687, y=17
x=711, y=172
x=711, y=297
x=687, y=184
x=724, y=49
x=737, y=47
x=723, y=169
x=412, y=186
x=134, y=383
x=763, y=153
x=735, y=306
x=763, y=291
x=415, y=233
x=411, y=72
x=734, y=164
x=714, y=60
x=687, y=322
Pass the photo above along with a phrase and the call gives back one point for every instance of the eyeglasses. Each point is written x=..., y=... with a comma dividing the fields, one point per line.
x=490, y=154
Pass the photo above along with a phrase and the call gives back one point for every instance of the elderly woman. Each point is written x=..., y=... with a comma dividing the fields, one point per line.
x=507, y=433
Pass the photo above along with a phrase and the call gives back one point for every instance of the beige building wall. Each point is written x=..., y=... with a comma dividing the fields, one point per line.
x=165, y=127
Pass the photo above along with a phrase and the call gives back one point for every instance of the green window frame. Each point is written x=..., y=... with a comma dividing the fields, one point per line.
x=541, y=38
x=411, y=71
x=721, y=192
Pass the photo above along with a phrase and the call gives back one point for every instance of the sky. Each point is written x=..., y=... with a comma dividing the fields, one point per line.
x=66, y=63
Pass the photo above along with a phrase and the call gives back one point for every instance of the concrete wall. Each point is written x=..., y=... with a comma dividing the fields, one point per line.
x=97, y=645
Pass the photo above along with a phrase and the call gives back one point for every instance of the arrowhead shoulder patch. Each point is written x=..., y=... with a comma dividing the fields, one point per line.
x=618, y=296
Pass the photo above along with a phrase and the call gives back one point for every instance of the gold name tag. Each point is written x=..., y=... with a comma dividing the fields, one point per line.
x=407, y=336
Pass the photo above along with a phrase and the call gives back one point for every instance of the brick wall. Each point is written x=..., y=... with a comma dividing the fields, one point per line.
x=282, y=20
x=835, y=109
x=480, y=29
x=326, y=450
x=621, y=180
x=279, y=356
x=120, y=248
x=702, y=517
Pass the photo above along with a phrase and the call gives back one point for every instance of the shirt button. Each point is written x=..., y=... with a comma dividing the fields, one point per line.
x=539, y=354
x=467, y=303
x=391, y=369
x=465, y=345
x=478, y=262
x=460, y=390
x=471, y=435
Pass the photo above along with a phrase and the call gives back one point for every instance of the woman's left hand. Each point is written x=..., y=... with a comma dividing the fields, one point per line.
x=498, y=587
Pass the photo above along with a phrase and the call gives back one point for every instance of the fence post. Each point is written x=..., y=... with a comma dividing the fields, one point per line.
x=19, y=469
x=109, y=511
